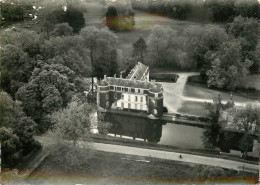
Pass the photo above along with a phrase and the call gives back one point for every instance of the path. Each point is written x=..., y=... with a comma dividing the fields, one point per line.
x=224, y=163
x=173, y=92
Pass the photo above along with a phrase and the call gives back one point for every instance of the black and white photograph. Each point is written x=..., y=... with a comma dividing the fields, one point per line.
x=121, y=92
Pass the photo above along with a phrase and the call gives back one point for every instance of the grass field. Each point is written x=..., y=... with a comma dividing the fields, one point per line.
x=205, y=93
x=193, y=108
x=112, y=168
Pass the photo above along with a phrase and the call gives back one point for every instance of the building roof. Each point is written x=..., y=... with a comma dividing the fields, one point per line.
x=152, y=86
x=138, y=71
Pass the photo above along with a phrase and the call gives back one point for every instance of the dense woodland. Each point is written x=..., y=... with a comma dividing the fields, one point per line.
x=44, y=73
x=199, y=10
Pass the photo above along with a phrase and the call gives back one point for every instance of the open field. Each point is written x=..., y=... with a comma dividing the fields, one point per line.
x=112, y=168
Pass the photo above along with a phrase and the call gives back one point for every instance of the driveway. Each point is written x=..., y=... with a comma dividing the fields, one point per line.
x=174, y=95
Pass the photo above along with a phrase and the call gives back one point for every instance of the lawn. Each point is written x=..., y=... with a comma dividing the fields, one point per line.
x=206, y=93
x=193, y=108
x=144, y=23
x=112, y=168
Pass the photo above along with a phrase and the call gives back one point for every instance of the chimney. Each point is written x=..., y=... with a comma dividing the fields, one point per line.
x=114, y=75
x=105, y=77
x=121, y=74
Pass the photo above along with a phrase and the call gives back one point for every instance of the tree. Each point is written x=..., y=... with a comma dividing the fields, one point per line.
x=202, y=42
x=11, y=12
x=9, y=147
x=247, y=8
x=227, y=68
x=111, y=16
x=12, y=116
x=71, y=125
x=54, y=14
x=75, y=18
x=62, y=29
x=161, y=46
x=48, y=90
x=16, y=67
x=120, y=16
x=73, y=122
x=102, y=46
x=139, y=49
x=247, y=120
x=211, y=134
x=247, y=28
x=221, y=10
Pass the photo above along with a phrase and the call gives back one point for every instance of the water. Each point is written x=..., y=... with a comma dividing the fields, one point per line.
x=181, y=136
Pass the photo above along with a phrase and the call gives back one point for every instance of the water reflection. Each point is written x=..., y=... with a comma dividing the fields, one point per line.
x=135, y=127
x=155, y=131
x=182, y=136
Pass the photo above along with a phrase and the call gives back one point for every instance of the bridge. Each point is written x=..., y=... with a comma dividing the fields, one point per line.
x=184, y=119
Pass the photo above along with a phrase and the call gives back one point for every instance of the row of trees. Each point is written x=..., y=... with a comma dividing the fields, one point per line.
x=224, y=55
x=120, y=17
x=209, y=10
x=243, y=120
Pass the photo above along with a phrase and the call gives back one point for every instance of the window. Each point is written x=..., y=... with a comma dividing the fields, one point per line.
x=135, y=106
x=122, y=104
x=129, y=98
x=139, y=90
x=129, y=89
x=141, y=107
x=118, y=88
x=136, y=90
x=129, y=105
x=141, y=99
x=136, y=98
x=122, y=97
x=111, y=88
